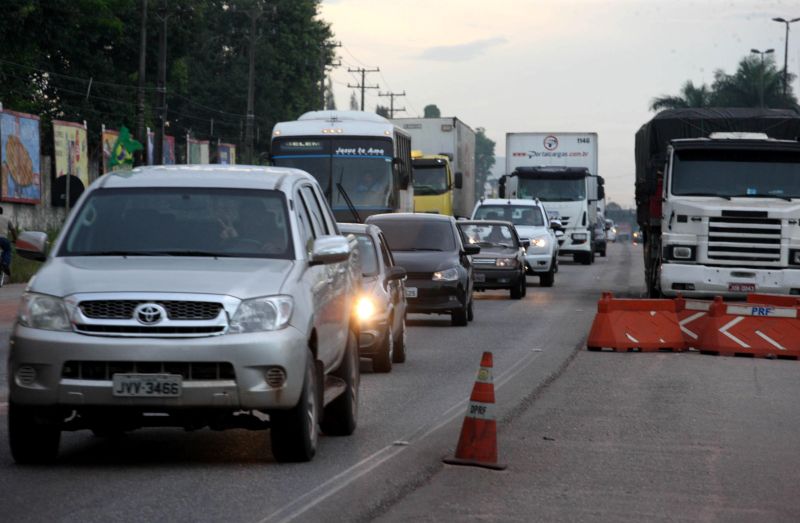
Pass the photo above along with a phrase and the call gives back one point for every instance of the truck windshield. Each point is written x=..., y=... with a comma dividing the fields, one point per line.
x=728, y=173
x=516, y=214
x=363, y=165
x=181, y=222
x=418, y=235
x=553, y=189
x=429, y=180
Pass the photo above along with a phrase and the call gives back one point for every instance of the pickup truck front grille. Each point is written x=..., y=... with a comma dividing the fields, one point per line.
x=105, y=370
x=744, y=240
x=176, y=310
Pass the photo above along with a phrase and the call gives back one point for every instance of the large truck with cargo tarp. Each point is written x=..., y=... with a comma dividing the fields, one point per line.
x=444, y=172
x=718, y=201
x=560, y=169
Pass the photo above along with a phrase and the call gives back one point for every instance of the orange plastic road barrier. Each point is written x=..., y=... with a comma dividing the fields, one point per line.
x=647, y=325
x=692, y=318
x=749, y=329
x=477, y=445
x=781, y=300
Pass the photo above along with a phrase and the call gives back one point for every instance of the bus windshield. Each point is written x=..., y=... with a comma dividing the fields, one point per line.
x=553, y=189
x=430, y=180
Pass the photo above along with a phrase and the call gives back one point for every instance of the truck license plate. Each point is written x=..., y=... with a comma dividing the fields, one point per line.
x=411, y=292
x=147, y=385
x=742, y=287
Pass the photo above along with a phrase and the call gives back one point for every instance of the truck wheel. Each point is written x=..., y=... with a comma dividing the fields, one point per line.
x=340, y=416
x=33, y=440
x=400, y=344
x=382, y=361
x=459, y=317
x=293, y=432
x=548, y=278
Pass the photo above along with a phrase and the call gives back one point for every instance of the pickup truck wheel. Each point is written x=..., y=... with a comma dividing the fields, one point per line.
x=32, y=438
x=516, y=289
x=470, y=311
x=293, y=432
x=548, y=278
x=382, y=361
x=340, y=415
x=400, y=344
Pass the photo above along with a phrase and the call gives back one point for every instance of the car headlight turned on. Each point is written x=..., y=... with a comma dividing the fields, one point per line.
x=268, y=313
x=40, y=311
x=539, y=242
x=450, y=274
x=365, y=308
x=505, y=262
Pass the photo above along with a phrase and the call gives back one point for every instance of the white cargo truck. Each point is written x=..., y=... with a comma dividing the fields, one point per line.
x=452, y=138
x=560, y=169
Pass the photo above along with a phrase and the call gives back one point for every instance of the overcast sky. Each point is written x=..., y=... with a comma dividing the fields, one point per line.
x=549, y=66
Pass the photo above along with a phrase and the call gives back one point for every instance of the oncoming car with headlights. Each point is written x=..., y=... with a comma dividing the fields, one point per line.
x=501, y=262
x=430, y=249
x=189, y=296
x=530, y=220
x=380, y=308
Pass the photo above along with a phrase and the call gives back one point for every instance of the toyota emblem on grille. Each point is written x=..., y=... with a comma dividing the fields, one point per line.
x=149, y=313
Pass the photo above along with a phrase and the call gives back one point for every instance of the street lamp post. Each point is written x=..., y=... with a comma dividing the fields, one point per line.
x=785, y=49
x=761, y=91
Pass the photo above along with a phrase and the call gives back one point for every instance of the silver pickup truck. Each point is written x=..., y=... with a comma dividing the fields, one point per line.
x=188, y=296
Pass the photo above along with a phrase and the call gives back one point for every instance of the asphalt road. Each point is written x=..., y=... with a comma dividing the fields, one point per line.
x=587, y=436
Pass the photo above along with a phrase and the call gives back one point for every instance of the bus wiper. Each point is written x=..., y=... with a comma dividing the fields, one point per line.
x=348, y=202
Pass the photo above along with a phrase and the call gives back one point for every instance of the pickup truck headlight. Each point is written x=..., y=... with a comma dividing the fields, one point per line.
x=262, y=314
x=40, y=311
x=539, y=242
x=505, y=262
x=450, y=274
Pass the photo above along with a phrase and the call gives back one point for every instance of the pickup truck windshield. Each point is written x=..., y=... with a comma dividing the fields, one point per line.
x=181, y=222
x=727, y=173
x=430, y=180
x=552, y=189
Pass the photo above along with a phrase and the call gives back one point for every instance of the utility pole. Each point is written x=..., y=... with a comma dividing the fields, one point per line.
x=391, y=102
x=161, y=87
x=761, y=91
x=362, y=85
x=251, y=87
x=141, y=133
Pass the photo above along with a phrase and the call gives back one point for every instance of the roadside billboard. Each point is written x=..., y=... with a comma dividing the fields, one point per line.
x=20, y=157
x=197, y=151
x=71, y=151
x=226, y=153
x=109, y=138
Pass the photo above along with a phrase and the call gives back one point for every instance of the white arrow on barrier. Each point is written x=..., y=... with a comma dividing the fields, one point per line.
x=690, y=319
x=733, y=322
x=770, y=340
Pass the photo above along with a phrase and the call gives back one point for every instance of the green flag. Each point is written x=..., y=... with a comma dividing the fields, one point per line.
x=124, y=147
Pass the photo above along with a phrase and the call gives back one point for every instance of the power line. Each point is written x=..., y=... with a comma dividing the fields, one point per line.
x=362, y=85
x=391, y=102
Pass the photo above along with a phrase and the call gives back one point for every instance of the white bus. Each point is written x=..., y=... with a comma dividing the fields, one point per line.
x=355, y=156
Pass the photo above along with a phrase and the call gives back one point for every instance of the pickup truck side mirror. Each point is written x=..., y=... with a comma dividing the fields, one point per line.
x=32, y=245
x=329, y=249
x=459, y=181
x=471, y=249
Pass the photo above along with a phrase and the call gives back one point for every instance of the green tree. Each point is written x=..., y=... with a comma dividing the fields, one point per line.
x=484, y=159
x=431, y=111
x=753, y=76
x=690, y=96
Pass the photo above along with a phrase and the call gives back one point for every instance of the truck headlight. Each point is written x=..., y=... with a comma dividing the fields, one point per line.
x=505, y=262
x=450, y=274
x=268, y=313
x=40, y=311
x=794, y=257
x=681, y=252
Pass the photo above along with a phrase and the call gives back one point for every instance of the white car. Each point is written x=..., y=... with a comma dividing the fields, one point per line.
x=530, y=220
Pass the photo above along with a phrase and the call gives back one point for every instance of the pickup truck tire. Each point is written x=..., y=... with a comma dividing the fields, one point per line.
x=340, y=415
x=382, y=361
x=548, y=278
x=33, y=440
x=517, y=289
x=399, y=355
x=293, y=432
x=470, y=310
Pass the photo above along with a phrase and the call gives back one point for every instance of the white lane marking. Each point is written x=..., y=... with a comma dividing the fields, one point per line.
x=732, y=323
x=773, y=342
x=690, y=319
x=330, y=487
x=634, y=340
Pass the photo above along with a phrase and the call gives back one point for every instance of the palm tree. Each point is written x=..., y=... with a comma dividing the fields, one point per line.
x=690, y=96
x=753, y=77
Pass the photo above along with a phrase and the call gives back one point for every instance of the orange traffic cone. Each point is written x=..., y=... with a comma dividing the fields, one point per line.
x=477, y=445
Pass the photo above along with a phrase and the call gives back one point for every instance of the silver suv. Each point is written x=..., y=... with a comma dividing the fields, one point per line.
x=189, y=296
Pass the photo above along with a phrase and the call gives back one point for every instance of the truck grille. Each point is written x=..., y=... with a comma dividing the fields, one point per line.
x=176, y=310
x=744, y=240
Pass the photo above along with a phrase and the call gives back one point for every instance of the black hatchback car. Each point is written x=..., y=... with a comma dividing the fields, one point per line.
x=436, y=261
x=501, y=262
